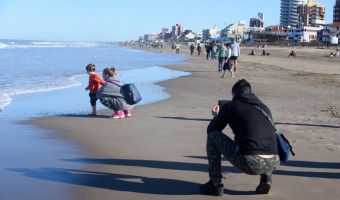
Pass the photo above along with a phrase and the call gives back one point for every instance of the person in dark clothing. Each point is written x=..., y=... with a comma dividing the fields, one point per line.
x=192, y=48
x=254, y=149
x=199, y=49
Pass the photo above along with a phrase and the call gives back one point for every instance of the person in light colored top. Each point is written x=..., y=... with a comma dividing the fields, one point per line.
x=227, y=63
x=235, y=53
x=111, y=97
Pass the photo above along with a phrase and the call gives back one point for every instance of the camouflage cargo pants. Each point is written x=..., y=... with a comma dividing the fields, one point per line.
x=219, y=143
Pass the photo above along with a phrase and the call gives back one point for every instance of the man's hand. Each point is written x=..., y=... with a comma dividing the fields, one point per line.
x=215, y=110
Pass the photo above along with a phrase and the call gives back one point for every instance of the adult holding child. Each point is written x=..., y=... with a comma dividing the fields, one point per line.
x=110, y=94
x=227, y=63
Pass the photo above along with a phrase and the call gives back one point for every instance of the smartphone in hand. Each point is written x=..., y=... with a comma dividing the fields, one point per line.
x=222, y=102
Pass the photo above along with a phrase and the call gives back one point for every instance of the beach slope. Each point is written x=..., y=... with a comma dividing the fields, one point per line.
x=159, y=152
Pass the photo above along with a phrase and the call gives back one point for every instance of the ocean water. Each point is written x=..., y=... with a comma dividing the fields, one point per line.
x=41, y=78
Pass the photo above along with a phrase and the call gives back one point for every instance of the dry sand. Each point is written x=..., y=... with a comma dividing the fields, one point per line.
x=159, y=153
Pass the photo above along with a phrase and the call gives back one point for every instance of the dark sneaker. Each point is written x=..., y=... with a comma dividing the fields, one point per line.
x=264, y=187
x=210, y=189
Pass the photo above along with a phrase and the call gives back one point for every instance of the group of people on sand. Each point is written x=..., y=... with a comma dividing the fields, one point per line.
x=198, y=48
x=227, y=54
x=108, y=91
x=336, y=54
x=264, y=53
x=254, y=149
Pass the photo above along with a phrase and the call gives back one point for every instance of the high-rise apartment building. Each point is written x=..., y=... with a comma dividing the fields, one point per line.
x=257, y=21
x=288, y=12
x=177, y=30
x=311, y=14
x=336, y=11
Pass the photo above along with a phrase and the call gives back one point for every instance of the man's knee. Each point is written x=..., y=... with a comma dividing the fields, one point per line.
x=214, y=134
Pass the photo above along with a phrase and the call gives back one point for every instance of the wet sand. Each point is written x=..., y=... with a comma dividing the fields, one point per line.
x=159, y=152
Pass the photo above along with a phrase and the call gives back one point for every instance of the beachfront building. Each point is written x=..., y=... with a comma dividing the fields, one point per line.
x=257, y=21
x=331, y=33
x=164, y=33
x=336, y=11
x=311, y=14
x=250, y=31
x=150, y=37
x=304, y=33
x=235, y=30
x=177, y=30
x=210, y=33
x=288, y=12
x=270, y=34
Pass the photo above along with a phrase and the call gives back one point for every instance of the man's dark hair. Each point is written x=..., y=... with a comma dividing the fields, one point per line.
x=241, y=86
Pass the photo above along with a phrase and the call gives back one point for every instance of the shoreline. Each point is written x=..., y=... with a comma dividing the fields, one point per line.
x=162, y=144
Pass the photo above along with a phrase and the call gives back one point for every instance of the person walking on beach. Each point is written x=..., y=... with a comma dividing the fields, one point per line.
x=199, y=49
x=254, y=149
x=208, y=50
x=221, y=56
x=235, y=53
x=227, y=62
x=111, y=97
x=192, y=48
x=94, y=84
x=177, y=48
x=213, y=51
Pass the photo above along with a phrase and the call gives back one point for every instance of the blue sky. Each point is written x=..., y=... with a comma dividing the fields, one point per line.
x=120, y=20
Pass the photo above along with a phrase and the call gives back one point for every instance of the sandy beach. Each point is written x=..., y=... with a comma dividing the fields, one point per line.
x=159, y=152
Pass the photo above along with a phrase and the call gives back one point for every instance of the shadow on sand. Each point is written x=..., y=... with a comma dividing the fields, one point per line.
x=161, y=186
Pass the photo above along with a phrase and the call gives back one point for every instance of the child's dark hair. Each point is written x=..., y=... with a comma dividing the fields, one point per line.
x=241, y=86
x=110, y=71
x=91, y=67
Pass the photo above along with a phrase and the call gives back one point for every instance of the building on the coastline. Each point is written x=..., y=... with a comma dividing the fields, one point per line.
x=150, y=37
x=288, y=12
x=336, y=11
x=272, y=33
x=331, y=33
x=235, y=30
x=257, y=21
x=311, y=14
x=210, y=33
x=304, y=33
x=177, y=30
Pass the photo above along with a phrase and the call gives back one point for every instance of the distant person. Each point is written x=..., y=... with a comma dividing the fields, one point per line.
x=173, y=47
x=208, y=50
x=254, y=149
x=111, y=97
x=221, y=56
x=252, y=53
x=235, y=53
x=213, y=51
x=199, y=49
x=227, y=62
x=264, y=53
x=177, y=48
x=94, y=84
x=292, y=53
x=192, y=49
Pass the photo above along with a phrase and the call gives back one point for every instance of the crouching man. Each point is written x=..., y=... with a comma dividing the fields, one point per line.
x=254, y=149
